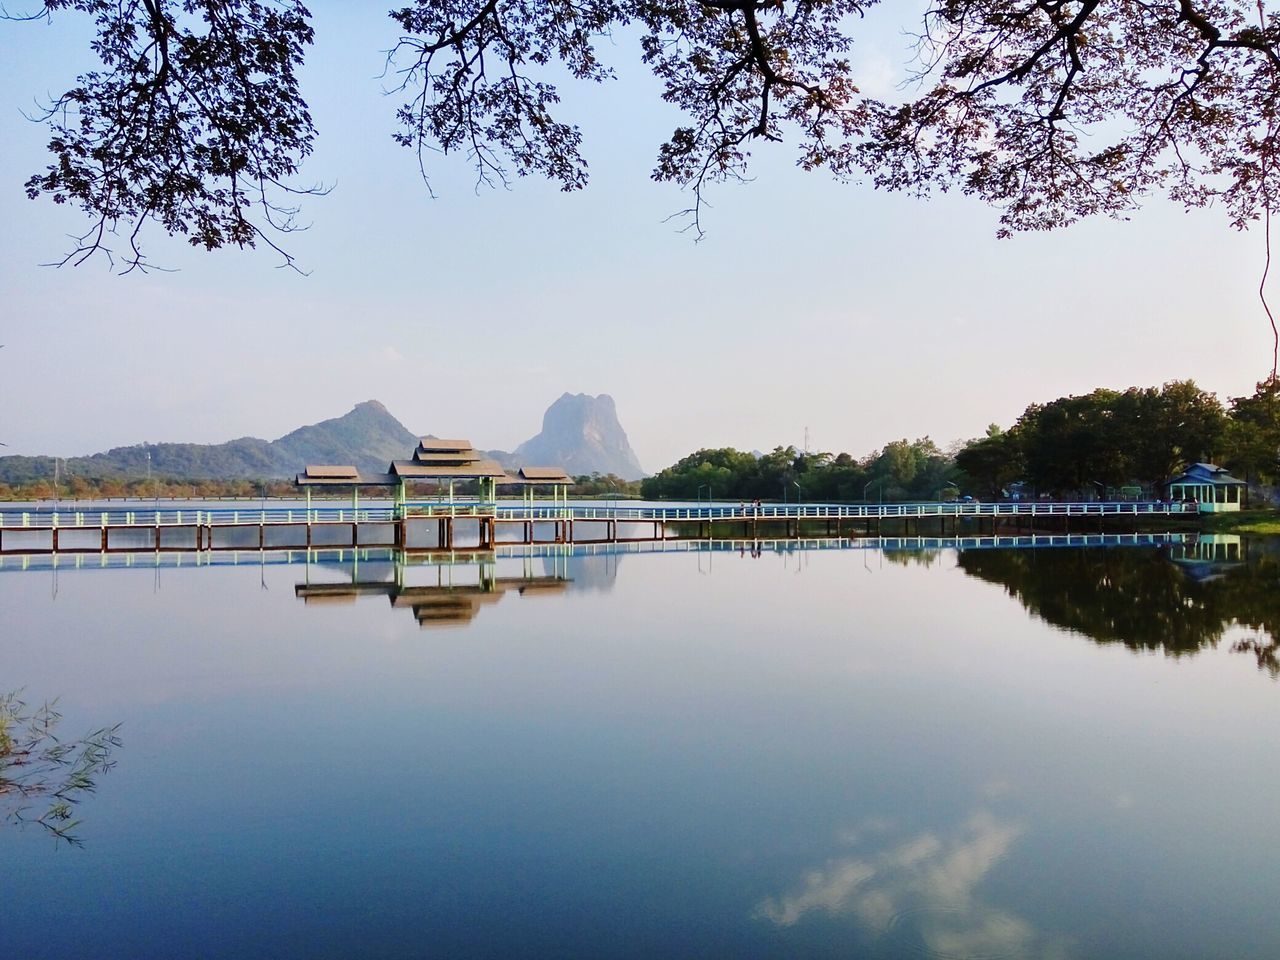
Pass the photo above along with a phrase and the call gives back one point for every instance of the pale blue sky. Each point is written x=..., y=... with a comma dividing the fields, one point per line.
x=863, y=316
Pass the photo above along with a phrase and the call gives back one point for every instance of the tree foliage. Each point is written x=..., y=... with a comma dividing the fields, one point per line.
x=1253, y=435
x=194, y=121
x=1073, y=447
x=1085, y=445
x=902, y=470
x=1051, y=110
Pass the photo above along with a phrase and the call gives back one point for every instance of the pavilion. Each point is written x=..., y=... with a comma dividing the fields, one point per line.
x=440, y=462
x=1212, y=486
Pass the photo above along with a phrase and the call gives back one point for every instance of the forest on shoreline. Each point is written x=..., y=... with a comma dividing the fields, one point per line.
x=1107, y=444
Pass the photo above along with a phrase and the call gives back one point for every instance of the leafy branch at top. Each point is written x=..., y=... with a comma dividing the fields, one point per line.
x=1051, y=110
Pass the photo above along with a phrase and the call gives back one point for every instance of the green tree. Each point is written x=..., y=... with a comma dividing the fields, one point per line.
x=992, y=462
x=194, y=120
x=1084, y=444
x=1252, y=441
x=726, y=471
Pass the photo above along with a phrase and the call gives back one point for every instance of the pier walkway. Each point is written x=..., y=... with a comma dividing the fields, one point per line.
x=436, y=524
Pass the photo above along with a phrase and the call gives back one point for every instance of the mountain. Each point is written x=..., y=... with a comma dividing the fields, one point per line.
x=368, y=437
x=581, y=434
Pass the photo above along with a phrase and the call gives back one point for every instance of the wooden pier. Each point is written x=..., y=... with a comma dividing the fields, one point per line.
x=448, y=526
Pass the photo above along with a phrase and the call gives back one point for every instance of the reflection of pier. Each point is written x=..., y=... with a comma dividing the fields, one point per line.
x=464, y=583
x=349, y=557
x=1209, y=556
x=448, y=525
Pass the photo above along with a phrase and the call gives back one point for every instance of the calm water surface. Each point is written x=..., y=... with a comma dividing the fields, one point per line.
x=979, y=754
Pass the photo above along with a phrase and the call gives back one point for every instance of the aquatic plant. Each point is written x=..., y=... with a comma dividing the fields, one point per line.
x=39, y=770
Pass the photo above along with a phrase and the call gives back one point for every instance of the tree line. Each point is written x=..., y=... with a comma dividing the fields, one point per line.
x=902, y=470
x=1103, y=444
x=1139, y=437
x=140, y=488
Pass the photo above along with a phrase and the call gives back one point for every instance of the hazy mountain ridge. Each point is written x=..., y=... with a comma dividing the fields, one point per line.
x=580, y=433
x=368, y=437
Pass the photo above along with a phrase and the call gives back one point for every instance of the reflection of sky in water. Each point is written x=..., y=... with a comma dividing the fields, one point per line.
x=824, y=755
x=922, y=889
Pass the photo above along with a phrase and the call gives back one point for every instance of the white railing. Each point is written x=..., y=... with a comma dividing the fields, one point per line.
x=83, y=519
x=87, y=519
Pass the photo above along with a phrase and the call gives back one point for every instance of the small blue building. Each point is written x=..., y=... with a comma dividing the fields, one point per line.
x=1216, y=490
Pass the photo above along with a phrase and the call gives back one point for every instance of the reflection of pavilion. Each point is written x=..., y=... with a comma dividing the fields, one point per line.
x=1209, y=556
x=465, y=581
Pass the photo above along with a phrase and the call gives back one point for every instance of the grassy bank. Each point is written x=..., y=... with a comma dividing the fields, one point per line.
x=1264, y=522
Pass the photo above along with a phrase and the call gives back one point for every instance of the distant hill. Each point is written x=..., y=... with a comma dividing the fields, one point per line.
x=582, y=434
x=579, y=433
x=368, y=437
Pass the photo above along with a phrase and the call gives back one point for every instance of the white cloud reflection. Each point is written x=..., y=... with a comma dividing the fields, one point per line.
x=924, y=888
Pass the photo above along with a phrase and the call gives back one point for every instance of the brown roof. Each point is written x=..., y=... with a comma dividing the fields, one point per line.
x=443, y=471
x=432, y=445
x=545, y=475
x=347, y=480
x=460, y=456
x=326, y=472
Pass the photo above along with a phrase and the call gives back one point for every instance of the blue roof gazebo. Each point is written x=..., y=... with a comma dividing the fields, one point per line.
x=1212, y=486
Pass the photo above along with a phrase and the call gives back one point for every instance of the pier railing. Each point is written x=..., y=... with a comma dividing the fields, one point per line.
x=86, y=519
x=503, y=510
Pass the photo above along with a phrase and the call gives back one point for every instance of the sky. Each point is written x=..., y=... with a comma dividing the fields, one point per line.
x=857, y=316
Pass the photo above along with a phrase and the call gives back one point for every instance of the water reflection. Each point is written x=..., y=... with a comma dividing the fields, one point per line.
x=450, y=590
x=44, y=777
x=1178, y=600
x=920, y=891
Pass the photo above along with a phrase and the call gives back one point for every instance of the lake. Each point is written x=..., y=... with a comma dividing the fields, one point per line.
x=1040, y=753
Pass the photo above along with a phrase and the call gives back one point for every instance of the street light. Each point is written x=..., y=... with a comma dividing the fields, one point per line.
x=708, y=489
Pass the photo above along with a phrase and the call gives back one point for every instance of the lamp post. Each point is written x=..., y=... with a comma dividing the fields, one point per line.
x=701, y=486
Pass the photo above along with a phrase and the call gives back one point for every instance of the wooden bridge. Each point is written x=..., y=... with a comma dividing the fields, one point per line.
x=449, y=525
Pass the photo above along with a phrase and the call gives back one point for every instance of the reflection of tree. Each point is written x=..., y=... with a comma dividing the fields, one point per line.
x=1140, y=598
x=37, y=767
x=907, y=557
